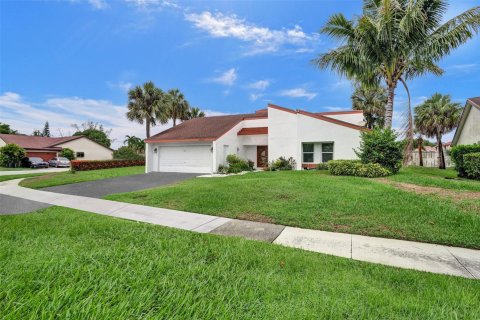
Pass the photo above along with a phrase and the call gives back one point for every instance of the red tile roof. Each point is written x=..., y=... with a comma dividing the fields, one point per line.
x=252, y=131
x=201, y=129
x=475, y=101
x=37, y=143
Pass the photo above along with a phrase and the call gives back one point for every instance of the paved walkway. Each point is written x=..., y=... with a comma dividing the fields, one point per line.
x=404, y=254
x=18, y=172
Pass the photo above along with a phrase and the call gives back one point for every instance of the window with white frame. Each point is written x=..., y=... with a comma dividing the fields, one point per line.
x=308, y=153
x=327, y=151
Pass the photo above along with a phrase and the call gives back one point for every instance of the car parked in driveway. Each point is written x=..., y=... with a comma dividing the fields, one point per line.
x=59, y=162
x=35, y=162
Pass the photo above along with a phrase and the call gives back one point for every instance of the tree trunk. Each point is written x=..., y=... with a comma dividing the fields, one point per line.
x=441, y=158
x=420, y=150
x=389, y=107
x=174, y=121
x=147, y=127
x=408, y=152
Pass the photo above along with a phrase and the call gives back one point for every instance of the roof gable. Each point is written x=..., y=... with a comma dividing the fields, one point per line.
x=471, y=103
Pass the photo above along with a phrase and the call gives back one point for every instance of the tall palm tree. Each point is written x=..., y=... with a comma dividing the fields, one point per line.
x=177, y=106
x=435, y=117
x=395, y=40
x=194, y=112
x=372, y=101
x=135, y=143
x=146, y=104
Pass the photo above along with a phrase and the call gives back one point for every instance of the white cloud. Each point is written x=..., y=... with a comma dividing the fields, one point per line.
x=259, y=85
x=146, y=4
x=227, y=78
x=463, y=68
x=98, y=4
x=330, y=108
x=261, y=39
x=255, y=96
x=298, y=93
x=122, y=85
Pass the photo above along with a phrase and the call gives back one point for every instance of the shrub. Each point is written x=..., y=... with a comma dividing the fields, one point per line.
x=457, y=154
x=471, y=164
x=67, y=153
x=11, y=155
x=380, y=146
x=127, y=153
x=237, y=164
x=222, y=169
x=322, y=166
x=356, y=168
x=283, y=163
x=83, y=165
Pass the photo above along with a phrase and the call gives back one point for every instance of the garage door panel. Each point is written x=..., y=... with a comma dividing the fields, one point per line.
x=185, y=159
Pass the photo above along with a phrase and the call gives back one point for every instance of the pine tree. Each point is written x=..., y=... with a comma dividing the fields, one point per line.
x=46, y=130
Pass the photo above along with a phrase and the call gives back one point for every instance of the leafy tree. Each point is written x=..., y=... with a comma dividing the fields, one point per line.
x=381, y=146
x=147, y=105
x=37, y=133
x=11, y=155
x=127, y=153
x=5, y=129
x=67, y=153
x=94, y=131
x=372, y=101
x=194, y=112
x=135, y=143
x=46, y=130
x=395, y=40
x=435, y=117
x=177, y=106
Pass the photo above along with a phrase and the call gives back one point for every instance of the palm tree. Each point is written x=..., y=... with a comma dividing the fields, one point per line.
x=194, y=112
x=395, y=40
x=146, y=105
x=135, y=143
x=372, y=101
x=435, y=117
x=177, y=106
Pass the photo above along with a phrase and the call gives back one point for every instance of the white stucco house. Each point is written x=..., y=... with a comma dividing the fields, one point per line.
x=200, y=145
x=468, y=130
x=49, y=147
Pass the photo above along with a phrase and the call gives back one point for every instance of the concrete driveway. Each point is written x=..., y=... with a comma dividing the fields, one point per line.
x=14, y=205
x=100, y=188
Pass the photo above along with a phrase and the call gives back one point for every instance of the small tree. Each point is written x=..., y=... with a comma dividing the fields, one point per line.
x=46, y=130
x=94, y=131
x=5, y=129
x=67, y=153
x=37, y=133
x=11, y=155
x=381, y=146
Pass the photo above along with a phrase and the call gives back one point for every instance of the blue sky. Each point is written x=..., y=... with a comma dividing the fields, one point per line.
x=72, y=61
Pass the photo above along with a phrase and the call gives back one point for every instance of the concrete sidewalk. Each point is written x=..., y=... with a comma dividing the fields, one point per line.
x=26, y=171
x=404, y=254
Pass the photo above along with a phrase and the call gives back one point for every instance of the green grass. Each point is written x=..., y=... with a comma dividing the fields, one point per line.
x=19, y=176
x=67, y=264
x=14, y=169
x=433, y=177
x=309, y=199
x=61, y=178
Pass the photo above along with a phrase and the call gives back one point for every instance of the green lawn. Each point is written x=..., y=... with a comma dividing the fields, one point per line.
x=19, y=176
x=68, y=264
x=314, y=200
x=433, y=177
x=56, y=179
x=14, y=169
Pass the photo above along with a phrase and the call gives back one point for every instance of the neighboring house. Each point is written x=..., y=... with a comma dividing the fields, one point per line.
x=468, y=130
x=430, y=156
x=202, y=144
x=47, y=148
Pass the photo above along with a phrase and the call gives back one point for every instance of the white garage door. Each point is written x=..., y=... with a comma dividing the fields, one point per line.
x=196, y=159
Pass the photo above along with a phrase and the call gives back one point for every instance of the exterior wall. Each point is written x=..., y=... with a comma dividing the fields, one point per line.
x=471, y=129
x=251, y=154
x=92, y=150
x=46, y=156
x=282, y=134
x=355, y=118
x=253, y=140
x=2, y=143
x=230, y=139
x=252, y=123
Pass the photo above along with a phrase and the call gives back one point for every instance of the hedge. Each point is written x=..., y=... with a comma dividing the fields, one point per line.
x=471, y=164
x=83, y=165
x=356, y=168
x=457, y=154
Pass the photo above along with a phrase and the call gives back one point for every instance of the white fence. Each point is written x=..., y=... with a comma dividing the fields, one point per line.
x=430, y=159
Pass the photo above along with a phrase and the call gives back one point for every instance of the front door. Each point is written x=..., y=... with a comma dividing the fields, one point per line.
x=262, y=156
